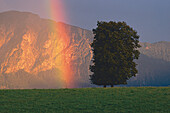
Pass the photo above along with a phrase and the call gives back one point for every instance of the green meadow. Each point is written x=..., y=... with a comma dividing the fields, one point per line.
x=87, y=100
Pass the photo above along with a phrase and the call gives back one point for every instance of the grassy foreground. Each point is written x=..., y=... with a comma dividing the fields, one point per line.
x=92, y=100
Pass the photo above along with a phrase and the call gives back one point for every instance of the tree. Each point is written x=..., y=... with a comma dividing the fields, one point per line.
x=114, y=49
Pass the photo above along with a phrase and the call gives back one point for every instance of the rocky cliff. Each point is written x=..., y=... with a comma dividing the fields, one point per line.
x=32, y=54
x=158, y=50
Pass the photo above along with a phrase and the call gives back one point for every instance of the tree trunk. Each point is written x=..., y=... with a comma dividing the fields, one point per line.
x=112, y=85
x=104, y=86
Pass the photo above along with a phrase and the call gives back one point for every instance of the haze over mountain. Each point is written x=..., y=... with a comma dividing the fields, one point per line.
x=30, y=49
x=153, y=65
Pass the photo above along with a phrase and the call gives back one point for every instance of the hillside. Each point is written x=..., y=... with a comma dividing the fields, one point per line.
x=158, y=50
x=153, y=65
x=33, y=55
x=31, y=51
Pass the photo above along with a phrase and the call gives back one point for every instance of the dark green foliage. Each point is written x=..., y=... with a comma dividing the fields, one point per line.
x=86, y=100
x=114, y=48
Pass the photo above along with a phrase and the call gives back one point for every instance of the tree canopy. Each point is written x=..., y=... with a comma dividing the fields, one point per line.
x=115, y=46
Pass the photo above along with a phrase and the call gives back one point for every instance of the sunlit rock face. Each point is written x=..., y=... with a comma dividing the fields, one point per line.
x=33, y=54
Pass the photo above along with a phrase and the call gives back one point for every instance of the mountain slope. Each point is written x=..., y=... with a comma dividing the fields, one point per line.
x=151, y=72
x=153, y=65
x=30, y=48
x=158, y=50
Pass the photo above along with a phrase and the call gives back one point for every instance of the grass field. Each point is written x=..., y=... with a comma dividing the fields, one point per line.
x=92, y=100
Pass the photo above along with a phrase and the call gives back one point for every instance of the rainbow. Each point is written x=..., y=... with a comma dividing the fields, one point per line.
x=63, y=61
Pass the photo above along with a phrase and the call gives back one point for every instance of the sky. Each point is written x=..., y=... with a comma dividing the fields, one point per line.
x=150, y=18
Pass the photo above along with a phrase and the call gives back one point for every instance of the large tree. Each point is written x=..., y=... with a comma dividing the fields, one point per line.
x=115, y=46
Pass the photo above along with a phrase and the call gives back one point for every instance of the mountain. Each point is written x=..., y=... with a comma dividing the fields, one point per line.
x=153, y=65
x=35, y=55
x=158, y=50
